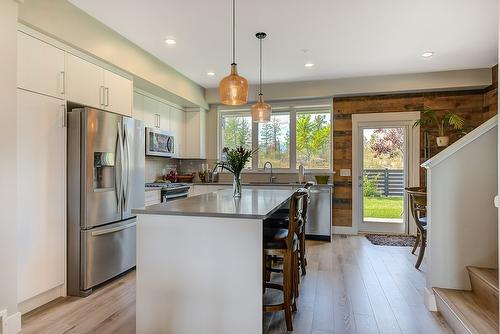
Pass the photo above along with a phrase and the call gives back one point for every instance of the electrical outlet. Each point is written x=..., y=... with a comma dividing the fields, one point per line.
x=345, y=172
x=3, y=322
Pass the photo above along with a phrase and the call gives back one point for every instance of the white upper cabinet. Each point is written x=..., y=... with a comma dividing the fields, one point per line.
x=164, y=112
x=84, y=82
x=138, y=109
x=118, y=93
x=40, y=67
x=178, y=130
x=151, y=112
x=195, y=127
x=93, y=86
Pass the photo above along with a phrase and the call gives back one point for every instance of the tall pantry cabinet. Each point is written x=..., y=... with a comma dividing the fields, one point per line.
x=41, y=184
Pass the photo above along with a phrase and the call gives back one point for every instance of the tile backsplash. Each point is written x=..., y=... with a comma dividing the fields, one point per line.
x=154, y=167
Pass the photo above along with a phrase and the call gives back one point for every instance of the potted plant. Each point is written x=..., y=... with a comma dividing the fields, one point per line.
x=449, y=119
x=235, y=161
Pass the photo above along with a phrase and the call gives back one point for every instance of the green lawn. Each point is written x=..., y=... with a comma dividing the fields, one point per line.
x=383, y=207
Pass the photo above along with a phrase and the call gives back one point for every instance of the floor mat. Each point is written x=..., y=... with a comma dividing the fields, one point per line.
x=391, y=240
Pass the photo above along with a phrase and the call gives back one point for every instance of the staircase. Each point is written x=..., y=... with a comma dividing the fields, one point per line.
x=472, y=312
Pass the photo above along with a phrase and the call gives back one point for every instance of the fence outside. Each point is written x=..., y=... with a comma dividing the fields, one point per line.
x=390, y=182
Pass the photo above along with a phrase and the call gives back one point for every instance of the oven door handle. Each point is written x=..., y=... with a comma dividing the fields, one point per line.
x=176, y=195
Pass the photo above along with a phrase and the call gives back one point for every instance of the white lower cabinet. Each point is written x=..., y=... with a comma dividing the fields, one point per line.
x=41, y=194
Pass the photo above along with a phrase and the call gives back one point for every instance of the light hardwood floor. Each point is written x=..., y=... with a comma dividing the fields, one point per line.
x=351, y=287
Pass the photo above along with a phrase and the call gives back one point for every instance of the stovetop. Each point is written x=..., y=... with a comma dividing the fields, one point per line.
x=166, y=185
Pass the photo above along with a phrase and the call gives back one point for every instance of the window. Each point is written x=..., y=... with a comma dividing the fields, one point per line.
x=274, y=141
x=313, y=129
x=236, y=131
x=297, y=134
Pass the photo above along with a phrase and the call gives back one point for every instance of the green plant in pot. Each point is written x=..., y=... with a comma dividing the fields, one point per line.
x=443, y=123
x=236, y=159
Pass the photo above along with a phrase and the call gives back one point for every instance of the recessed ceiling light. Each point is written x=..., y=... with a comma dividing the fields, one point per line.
x=210, y=73
x=427, y=54
x=309, y=65
x=170, y=41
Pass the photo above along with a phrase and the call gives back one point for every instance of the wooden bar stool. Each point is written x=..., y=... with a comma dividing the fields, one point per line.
x=284, y=243
x=280, y=219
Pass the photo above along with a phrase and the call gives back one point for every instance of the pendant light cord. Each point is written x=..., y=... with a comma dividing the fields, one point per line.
x=234, y=31
x=260, y=68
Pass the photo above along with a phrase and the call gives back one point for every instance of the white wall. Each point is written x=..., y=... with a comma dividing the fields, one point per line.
x=8, y=83
x=385, y=84
x=463, y=226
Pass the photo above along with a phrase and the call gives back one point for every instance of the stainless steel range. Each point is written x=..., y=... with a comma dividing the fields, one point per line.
x=105, y=181
x=170, y=191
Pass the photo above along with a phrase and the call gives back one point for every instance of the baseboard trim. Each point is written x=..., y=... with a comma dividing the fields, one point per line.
x=344, y=230
x=41, y=299
x=14, y=323
x=430, y=300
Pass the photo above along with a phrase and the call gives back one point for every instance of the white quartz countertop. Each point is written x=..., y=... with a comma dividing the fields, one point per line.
x=253, y=204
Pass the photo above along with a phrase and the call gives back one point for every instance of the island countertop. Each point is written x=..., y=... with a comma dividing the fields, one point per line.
x=253, y=204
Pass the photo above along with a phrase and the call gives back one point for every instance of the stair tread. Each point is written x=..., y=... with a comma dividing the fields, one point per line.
x=469, y=309
x=488, y=275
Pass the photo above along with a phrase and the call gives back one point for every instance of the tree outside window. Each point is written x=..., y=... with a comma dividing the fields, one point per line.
x=313, y=139
x=237, y=131
x=274, y=141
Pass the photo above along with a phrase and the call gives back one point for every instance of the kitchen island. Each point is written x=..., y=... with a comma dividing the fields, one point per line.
x=199, y=262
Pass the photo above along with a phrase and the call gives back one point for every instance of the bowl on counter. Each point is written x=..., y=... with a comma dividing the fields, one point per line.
x=322, y=179
x=187, y=178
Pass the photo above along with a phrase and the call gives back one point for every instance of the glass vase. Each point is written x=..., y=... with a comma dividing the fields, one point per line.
x=236, y=185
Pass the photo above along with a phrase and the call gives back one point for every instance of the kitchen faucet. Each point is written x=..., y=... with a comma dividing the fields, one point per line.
x=271, y=177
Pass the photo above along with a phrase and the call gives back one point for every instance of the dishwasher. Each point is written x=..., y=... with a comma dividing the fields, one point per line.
x=319, y=213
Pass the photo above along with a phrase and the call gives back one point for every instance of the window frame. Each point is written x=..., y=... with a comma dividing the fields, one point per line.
x=291, y=107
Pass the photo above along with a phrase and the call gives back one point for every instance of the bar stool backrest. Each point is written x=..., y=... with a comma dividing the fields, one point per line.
x=295, y=215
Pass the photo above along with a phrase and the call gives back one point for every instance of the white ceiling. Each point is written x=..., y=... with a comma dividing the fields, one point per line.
x=345, y=38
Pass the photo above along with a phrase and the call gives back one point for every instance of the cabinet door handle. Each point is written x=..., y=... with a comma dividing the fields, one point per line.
x=107, y=96
x=159, y=120
x=64, y=116
x=62, y=82
x=101, y=95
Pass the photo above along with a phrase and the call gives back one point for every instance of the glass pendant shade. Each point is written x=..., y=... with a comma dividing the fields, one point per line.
x=261, y=111
x=233, y=89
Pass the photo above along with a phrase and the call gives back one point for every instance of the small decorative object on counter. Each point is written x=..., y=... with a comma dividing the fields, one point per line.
x=302, y=178
x=321, y=179
x=202, y=174
x=172, y=176
x=186, y=178
x=236, y=160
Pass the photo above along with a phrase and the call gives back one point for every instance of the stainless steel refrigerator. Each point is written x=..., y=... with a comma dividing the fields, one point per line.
x=105, y=181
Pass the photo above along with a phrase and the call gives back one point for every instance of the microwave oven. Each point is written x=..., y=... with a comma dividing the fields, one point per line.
x=159, y=143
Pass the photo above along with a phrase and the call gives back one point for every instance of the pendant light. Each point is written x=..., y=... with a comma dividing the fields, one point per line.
x=261, y=111
x=233, y=89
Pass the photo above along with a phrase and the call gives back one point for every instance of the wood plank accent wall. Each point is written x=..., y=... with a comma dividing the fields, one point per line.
x=475, y=106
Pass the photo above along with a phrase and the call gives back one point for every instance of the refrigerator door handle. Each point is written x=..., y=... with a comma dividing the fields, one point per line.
x=119, y=189
x=126, y=167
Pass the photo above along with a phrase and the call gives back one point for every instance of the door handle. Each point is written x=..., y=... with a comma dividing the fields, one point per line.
x=64, y=116
x=62, y=82
x=113, y=229
x=126, y=167
x=107, y=96
x=101, y=95
x=120, y=145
